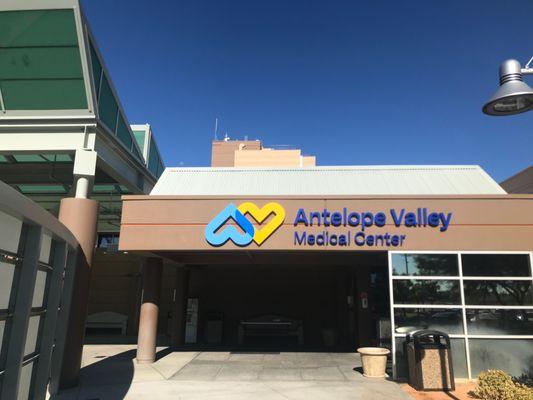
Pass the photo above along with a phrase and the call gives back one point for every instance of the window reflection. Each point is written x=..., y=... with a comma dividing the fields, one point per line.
x=499, y=322
x=512, y=293
x=425, y=264
x=449, y=321
x=512, y=356
x=426, y=292
x=496, y=265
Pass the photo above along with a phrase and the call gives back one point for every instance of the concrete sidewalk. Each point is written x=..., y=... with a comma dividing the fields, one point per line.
x=111, y=373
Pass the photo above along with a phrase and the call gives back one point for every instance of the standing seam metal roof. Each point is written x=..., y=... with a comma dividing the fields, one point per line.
x=335, y=180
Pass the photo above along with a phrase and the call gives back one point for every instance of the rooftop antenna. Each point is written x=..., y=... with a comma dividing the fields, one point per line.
x=216, y=128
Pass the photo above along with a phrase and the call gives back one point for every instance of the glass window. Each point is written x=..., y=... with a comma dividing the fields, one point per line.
x=496, y=265
x=32, y=335
x=37, y=28
x=153, y=158
x=449, y=321
x=139, y=138
x=107, y=107
x=510, y=355
x=10, y=232
x=46, y=246
x=49, y=94
x=425, y=264
x=7, y=272
x=123, y=133
x=499, y=322
x=160, y=169
x=97, y=69
x=2, y=330
x=426, y=291
x=25, y=388
x=510, y=293
x=40, y=62
x=40, y=288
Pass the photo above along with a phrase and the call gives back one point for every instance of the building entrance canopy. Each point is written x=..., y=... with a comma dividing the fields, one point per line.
x=202, y=223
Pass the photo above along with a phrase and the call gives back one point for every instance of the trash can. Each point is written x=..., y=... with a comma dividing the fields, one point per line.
x=429, y=357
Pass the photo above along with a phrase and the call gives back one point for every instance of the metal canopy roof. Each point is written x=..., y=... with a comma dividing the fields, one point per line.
x=341, y=180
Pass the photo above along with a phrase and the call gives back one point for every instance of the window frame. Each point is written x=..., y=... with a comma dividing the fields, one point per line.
x=463, y=307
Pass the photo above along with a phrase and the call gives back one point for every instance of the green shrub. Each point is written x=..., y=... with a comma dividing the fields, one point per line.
x=497, y=385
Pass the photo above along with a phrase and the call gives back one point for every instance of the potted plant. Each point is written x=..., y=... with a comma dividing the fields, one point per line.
x=374, y=360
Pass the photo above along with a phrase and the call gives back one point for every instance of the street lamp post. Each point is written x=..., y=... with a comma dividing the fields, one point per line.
x=513, y=96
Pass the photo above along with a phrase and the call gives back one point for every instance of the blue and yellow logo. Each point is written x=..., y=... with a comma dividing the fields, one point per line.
x=217, y=236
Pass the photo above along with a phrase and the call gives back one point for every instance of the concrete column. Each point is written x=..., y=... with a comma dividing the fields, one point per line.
x=80, y=217
x=179, y=307
x=152, y=271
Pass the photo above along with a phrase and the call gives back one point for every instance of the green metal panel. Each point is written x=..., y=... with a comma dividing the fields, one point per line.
x=38, y=28
x=139, y=138
x=107, y=106
x=97, y=69
x=123, y=133
x=40, y=63
x=53, y=94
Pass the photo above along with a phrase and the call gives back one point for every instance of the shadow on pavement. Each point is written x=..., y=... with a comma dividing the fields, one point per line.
x=108, y=379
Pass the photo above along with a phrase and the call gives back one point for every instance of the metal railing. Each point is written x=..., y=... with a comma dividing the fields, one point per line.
x=38, y=257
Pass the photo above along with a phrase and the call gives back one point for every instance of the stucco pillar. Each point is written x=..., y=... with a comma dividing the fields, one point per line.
x=152, y=271
x=80, y=216
x=179, y=307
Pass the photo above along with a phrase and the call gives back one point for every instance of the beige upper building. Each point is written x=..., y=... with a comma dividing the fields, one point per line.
x=251, y=153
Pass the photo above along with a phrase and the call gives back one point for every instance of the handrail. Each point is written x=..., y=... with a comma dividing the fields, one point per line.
x=18, y=205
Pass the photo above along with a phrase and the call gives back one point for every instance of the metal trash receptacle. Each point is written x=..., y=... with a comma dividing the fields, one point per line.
x=429, y=358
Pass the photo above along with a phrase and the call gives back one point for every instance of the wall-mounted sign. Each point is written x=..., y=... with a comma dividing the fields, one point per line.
x=420, y=218
x=217, y=234
x=339, y=228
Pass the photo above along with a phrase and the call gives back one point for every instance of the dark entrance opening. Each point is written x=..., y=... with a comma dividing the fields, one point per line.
x=286, y=301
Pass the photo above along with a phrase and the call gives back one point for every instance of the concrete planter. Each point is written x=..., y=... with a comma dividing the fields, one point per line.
x=374, y=360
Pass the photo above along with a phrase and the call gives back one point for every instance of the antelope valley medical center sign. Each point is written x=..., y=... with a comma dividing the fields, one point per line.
x=247, y=223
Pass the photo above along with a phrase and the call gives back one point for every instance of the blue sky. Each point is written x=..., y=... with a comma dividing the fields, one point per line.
x=352, y=82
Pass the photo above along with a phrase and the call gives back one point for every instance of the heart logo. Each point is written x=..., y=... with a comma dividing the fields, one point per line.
x=217, y=237
x=260, y=215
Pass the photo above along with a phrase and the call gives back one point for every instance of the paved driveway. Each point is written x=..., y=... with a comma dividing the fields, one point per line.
x=111, y=373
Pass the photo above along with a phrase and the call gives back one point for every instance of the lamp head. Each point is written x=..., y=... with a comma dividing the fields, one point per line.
x=513, y=96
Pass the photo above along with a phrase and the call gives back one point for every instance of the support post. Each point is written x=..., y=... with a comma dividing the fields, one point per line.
x=80, y=216
x=146, y=345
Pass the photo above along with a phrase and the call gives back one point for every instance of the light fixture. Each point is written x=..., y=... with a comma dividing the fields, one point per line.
x=513, y=96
